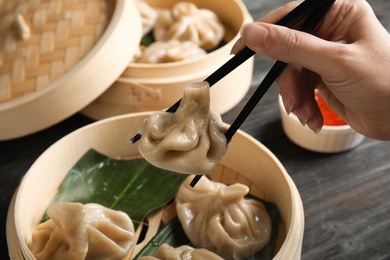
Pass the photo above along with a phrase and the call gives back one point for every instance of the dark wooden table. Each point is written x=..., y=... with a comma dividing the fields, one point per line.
x=345, y=195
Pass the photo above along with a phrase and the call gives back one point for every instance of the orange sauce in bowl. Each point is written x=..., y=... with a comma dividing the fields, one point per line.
x=330, y=117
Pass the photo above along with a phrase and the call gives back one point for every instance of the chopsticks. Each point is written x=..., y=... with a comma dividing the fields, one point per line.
x=308, y=26
x=314, y=10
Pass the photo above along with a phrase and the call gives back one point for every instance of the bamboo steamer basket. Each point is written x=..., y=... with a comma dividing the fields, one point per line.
x=151, y=87
x=57, y=56
x=261, y=171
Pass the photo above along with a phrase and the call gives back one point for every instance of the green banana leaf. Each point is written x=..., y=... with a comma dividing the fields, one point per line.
x=133, y=186
x=173, y=234
x=137, y=188
x=147, y=39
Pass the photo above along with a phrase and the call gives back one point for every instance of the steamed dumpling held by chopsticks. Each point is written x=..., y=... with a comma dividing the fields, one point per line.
x=189, y=141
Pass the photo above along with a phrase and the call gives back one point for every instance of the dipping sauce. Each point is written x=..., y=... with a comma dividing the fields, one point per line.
x=330, y=117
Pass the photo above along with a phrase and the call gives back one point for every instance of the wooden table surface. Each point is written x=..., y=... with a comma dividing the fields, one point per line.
x=345, y=196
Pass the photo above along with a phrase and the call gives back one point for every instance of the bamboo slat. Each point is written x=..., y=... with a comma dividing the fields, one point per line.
x=42, y=40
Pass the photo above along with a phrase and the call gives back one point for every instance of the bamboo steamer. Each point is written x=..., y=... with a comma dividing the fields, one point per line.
x=57, y=56
x=151, y=87
x=261, y=171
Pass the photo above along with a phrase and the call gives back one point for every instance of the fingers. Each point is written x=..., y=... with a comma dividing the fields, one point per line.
x=340, y=59
x=346, y=22
x=290, y=88
x=296, y=87
x=290, y=46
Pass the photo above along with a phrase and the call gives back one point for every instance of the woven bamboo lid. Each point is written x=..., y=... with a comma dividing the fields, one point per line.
x=56, y=56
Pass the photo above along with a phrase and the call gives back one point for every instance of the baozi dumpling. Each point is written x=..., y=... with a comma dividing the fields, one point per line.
x=167, y=252
x=76, y=231
x=148, y=16
x=219, y=218
x=170, y=51
x=187, y=22
x=138, y=53
x=189, y=141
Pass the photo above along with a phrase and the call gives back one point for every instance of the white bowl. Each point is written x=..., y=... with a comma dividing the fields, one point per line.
x=331, y=139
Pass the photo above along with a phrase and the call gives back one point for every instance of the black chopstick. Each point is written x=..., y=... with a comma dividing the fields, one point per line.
x=308, y=26
x=297, y=14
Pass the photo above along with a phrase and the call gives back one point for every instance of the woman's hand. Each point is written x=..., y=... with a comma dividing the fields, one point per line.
x=347, y=60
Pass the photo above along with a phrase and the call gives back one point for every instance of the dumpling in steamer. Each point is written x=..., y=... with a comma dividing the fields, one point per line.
x=148, y=15
x=167, y=252
x=186, y=22
x=219, y=218
x=189, y=141
x=76, y=231
x=171, y=51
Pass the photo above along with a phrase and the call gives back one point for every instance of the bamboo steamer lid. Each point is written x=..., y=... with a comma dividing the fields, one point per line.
x=57, y=56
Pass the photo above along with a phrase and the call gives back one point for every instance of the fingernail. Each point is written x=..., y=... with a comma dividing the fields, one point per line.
x=303, y=121
x=236, y=47
x=243, y=28
x=302, y=116
x=315, y=124
x=288, y=104
x=255, y=34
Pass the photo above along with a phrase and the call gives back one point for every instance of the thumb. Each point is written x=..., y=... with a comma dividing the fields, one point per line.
x=287, y=45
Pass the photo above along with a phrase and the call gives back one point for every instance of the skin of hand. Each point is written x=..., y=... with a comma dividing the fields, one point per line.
x=347, y=59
